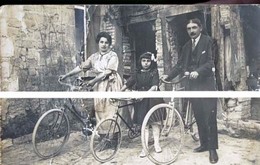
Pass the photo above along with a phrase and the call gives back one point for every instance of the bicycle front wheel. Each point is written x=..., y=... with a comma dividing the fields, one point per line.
x=105, y=140
x=50, y=133
x=171, y=134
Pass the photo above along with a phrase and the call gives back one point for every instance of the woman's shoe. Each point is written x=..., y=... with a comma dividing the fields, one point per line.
x=142, y=154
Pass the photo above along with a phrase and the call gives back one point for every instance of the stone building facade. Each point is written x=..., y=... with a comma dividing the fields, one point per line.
x=40, y=42
x=37, y=45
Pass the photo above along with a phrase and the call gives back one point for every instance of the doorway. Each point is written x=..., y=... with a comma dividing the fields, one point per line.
x=251, y=31
x=142, y=39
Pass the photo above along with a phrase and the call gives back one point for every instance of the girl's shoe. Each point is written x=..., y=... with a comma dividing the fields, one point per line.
x=157, y=148
x=142, y=154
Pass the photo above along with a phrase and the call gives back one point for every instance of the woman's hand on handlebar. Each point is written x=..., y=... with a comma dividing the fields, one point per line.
x=164, y=77
x=62, y=77
x=91, y=83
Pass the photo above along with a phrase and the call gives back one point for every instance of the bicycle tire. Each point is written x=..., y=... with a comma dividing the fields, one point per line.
x=50, y=133
x=105, y=140
x=194, y=130
x=171, y=138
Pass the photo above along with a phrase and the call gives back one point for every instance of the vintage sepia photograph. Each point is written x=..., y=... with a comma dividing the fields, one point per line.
x=138, y=48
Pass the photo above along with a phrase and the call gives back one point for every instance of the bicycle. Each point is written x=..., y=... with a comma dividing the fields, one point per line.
x=173, y=128
x=52, y=129
x=107, y=135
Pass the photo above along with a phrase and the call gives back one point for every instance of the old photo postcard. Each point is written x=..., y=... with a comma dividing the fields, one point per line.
x=67, y=62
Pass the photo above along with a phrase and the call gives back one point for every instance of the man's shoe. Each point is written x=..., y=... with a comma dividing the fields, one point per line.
x=213, y=156
x=200, y=149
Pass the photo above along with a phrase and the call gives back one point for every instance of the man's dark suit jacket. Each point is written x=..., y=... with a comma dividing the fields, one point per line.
x=204, y=64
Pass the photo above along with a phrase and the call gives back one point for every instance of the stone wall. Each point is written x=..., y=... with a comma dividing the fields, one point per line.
x=22, y=114
x=159, y=45
x=37, y=45
x=235, y=118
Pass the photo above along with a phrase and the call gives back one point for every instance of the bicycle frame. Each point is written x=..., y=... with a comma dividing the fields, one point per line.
x=54, y=124
x=118, y=115
x=132, y=133
x=73, y=110
x=187, y=121
x=173, y=128
x=80, y=82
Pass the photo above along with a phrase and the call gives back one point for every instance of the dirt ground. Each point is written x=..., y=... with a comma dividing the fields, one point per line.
x=232, y=151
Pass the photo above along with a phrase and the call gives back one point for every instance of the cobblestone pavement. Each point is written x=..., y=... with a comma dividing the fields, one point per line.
x=232, y=151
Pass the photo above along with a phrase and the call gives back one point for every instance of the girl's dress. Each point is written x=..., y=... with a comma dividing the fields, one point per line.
x=99, y=63
x=143, y=81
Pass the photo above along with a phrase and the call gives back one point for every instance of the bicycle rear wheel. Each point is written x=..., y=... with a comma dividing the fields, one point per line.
x=50, y=133
x=192, y=125
x=171, y=133
x=194, y=129
x=105, y=140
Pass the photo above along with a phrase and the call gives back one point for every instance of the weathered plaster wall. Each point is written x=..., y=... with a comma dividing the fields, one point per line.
x=37, y=45
x=37, y=42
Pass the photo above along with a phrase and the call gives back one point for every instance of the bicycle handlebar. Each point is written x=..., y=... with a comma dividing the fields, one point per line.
x=124, y=99
x=174, y=82
x=65, y=84
x=77, y=87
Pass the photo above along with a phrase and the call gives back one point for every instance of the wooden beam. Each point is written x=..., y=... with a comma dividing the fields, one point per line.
x=165, y=51
x=168, y=10
x=218, y=36
x=238, y=50
x=174, y=10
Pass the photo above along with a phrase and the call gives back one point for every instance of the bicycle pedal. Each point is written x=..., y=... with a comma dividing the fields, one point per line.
x=86, y=132
x=186, y=127
x=164, y=133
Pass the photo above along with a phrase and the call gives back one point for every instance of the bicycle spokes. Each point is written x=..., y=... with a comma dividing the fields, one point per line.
x=50, y=133
x=105, y=140
x=171, y=135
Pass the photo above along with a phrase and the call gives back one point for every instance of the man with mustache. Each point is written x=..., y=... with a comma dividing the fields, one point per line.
x=196, y=61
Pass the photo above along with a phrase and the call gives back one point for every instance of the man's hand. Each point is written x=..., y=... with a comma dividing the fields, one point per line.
x=194, y=75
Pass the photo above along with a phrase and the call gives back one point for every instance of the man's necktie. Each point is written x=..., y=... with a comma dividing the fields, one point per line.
x=193, y=44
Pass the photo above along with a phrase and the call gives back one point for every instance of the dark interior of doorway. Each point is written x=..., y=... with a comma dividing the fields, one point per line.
x=251, y=27
x=178, y=24
x=251, y=30
x=142, y=39
x=79, y=33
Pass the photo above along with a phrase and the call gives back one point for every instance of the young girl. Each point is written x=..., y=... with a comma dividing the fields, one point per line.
x=146, y=78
